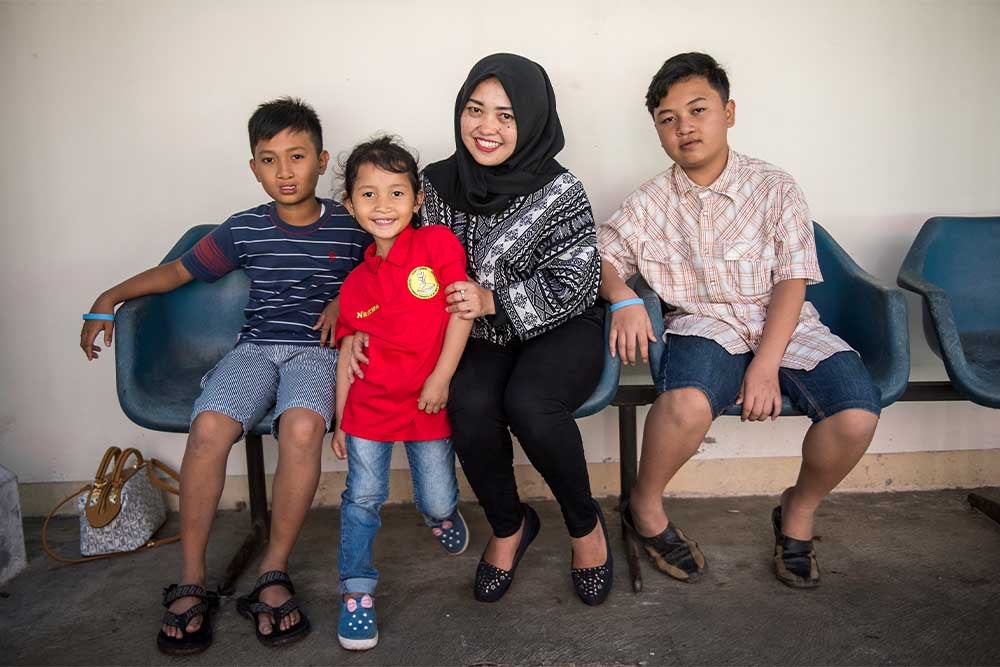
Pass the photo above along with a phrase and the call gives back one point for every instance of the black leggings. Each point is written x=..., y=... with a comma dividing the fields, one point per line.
x=532, y=388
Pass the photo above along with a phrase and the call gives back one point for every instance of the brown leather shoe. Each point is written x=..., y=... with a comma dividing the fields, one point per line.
x=794, y=560
x=671, y=551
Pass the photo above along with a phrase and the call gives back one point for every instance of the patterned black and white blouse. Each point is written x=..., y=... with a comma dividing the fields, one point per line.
x=538, y=255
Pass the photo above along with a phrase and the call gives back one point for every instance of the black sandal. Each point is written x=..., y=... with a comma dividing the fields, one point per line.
x=671, y=551
x=251, y=606
x=491, y=581
x=794, y=560
x=191, y=642
x=593, y=584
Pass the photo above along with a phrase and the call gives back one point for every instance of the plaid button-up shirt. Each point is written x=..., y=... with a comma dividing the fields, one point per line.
x=715, y=253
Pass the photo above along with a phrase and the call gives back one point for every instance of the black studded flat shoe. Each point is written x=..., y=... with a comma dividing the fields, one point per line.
x=593, y=584
x=794, y=560
x=491, y=581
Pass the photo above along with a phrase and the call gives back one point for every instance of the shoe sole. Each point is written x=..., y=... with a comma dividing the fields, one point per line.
x=358, y=644
x=166, y=649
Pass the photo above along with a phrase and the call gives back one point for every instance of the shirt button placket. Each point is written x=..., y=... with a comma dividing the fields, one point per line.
x=707, y=241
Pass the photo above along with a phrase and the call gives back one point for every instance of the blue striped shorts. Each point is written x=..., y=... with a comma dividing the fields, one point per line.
x=252, y=378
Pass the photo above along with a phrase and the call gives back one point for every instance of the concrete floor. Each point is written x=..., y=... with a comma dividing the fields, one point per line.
x=908, y=578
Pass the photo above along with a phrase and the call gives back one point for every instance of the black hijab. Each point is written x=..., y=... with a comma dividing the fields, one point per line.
x=467, y=185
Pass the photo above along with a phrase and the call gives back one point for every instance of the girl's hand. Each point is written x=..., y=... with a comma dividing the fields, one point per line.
x=338, y=443
x=326, y=322
x=358, y=356
x=91, y=328
x=760, y=394
x=469, y=300
x=433, y=395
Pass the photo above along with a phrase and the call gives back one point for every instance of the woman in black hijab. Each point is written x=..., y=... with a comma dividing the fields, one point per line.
x=536, y=349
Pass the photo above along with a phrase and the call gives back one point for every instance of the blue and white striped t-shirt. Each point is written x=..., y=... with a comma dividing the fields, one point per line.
x=294, y=271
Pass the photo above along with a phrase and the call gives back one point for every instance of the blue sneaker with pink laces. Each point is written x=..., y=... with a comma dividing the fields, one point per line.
x=452, y=533
x=357, y=629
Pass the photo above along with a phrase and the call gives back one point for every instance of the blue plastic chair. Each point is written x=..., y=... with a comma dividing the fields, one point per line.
x=164, y=345
x=607, y=386
x=870, y=316
x=954, y=264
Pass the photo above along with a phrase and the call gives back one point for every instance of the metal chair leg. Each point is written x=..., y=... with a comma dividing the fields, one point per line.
x=988, y=507
x=628, y=457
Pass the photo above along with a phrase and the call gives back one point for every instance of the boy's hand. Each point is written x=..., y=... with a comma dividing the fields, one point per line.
x=326, y=322
x=358, y=356
x=631, y=329
x=338, y=443
x=760, y=394
x=91, y=328
x=433, y=395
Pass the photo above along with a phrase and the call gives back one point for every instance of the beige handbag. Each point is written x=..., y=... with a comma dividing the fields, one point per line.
x=121, y=509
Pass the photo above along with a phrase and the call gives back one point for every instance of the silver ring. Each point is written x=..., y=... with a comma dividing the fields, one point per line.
x=462, y=292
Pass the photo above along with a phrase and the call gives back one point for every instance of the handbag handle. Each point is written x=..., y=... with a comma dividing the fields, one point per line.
x=109, y=460
x=101, y=503
x=117, y=476
x=104, y=500
x=158, y=482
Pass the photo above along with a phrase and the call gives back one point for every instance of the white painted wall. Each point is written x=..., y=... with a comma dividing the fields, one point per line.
x=123, y=123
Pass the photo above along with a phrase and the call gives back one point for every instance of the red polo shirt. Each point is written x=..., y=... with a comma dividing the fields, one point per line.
x=399, y=302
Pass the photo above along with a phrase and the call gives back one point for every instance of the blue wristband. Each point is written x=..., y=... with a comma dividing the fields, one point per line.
x=98, y=316
x=626, y=302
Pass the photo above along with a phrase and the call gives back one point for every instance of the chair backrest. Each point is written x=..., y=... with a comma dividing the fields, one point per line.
x=857, y=323
x=195, y=325
x=963, y=258
x=166, y=342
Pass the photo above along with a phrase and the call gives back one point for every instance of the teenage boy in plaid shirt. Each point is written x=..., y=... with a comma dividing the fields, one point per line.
x=726, y=240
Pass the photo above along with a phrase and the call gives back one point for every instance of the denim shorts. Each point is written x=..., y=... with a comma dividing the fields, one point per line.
x=252, y=378
x=839, y=382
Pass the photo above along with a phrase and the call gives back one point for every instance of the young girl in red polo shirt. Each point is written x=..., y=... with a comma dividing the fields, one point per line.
x=395, y=296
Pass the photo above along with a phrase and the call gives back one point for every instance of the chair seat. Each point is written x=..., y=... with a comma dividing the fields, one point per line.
x=162, y=401
x=982, y=351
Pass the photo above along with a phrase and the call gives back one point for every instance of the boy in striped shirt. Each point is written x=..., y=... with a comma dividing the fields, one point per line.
x=297, y=250
x=727, y=241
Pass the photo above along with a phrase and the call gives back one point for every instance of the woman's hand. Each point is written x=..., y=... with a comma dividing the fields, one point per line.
x=469, y=300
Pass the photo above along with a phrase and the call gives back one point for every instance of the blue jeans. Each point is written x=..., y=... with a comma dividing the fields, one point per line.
x=435, y=492
x=839, y=382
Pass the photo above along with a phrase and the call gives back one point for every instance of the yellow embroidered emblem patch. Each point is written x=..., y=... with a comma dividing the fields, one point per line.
x=422, y=283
